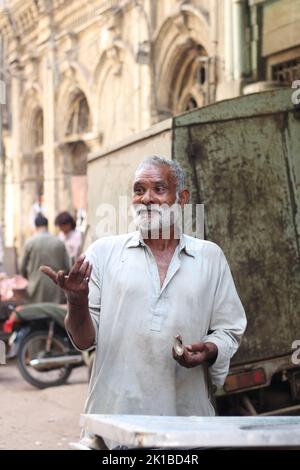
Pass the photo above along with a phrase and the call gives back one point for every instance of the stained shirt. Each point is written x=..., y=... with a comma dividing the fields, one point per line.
x=136, y=319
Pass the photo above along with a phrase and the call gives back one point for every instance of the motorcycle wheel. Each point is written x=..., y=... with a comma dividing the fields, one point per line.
x=33, y=346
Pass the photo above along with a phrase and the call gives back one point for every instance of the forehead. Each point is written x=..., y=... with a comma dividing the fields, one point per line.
x=154, y=173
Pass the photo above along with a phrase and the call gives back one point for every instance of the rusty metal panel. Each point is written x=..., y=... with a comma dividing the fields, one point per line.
x=242, y=158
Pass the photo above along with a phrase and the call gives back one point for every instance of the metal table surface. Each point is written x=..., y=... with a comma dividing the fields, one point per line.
x=194, y=432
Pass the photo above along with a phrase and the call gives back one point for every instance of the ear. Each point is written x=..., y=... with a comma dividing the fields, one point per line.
x=184, y=197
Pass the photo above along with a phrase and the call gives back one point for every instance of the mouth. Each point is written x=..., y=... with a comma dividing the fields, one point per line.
x=149, y=212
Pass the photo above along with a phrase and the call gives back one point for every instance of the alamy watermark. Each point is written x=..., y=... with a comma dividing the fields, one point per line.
x=296, y=354
x=296, y=93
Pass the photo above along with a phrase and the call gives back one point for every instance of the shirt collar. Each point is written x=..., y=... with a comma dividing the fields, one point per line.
x=137, y=240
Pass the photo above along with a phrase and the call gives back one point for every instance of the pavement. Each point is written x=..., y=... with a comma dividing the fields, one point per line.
x=40, y=419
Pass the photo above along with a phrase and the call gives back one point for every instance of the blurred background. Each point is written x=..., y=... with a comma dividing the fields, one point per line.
x=83, y=76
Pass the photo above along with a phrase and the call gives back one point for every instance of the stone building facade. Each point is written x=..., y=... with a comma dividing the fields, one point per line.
x=81, y=76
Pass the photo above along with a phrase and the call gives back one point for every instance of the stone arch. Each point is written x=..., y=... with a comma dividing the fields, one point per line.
x=74, y=82
x=71, y=95
x=182, y=48
x=72, y=150
x=78, y=114
x=115, y=117
x=31, y=109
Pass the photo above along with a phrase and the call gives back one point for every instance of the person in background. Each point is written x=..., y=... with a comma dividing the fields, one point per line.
x=36, y=209
x=68, y=234
x=1, y=251
x=43, y=248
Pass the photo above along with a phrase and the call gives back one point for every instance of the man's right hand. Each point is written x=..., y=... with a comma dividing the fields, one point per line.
x=75, y=284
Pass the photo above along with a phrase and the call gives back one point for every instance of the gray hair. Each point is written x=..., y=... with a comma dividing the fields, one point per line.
x=178, y=173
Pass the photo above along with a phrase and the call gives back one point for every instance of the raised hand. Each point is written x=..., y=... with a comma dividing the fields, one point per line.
x=75, y=284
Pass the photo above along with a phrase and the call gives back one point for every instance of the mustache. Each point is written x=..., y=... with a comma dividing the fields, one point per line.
x=141, y=208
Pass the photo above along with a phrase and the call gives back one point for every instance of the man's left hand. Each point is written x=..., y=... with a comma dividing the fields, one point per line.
x=197, y=354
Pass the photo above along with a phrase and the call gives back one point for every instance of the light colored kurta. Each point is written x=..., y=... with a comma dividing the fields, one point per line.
x=136, y=320
x=43, y=249
x=72, y=241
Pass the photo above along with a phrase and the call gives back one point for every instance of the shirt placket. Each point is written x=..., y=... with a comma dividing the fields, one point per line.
x=159, y=300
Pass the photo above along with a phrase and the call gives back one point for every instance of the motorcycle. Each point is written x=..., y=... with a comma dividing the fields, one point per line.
x=44, y=352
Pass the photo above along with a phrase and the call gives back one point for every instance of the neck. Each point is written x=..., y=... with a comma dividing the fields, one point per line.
x=41, y=229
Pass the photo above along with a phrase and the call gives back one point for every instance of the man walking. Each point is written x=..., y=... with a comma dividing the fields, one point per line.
x=43, y=248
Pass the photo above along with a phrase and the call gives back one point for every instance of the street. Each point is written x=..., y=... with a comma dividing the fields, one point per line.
x=40, y=419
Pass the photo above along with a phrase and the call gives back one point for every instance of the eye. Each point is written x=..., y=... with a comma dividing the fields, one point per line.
x=160, y=189
x=138, y=190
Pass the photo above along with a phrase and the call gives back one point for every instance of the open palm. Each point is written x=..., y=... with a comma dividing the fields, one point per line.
x=74, y=284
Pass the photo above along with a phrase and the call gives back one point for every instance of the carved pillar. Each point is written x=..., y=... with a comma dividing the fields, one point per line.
x=49, y=136
x=13, y=196
x=64, y=176
x=143, y=70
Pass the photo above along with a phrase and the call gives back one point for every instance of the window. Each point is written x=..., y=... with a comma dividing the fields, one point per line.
x=79, y=116
x=191, y=104
x=286, y=72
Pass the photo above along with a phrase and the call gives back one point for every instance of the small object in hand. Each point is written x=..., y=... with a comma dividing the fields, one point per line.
x=178, y=345
x=87, y=279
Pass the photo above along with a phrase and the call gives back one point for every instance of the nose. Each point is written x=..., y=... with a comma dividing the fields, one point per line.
x=148, y=198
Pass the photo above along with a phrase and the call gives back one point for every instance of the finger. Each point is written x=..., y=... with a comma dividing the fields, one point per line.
x=195, y=359
x=61, y=278
x=49, y=272
x=82, y=273
x=180, y=359
x=198, y=347
x=89, y=272
x=76, y=273
x=77, y=265
x=186, y=354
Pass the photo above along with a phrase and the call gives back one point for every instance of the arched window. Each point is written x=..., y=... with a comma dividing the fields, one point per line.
x=79, y=116
x=189, y=83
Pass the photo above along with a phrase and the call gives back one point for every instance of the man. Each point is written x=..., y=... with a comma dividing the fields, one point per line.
x=146, y=289
x=43, y=248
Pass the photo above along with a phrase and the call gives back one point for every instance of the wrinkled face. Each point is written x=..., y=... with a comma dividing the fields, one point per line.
x=154, y=198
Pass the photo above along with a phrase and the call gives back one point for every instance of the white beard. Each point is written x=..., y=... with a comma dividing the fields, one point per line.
x=158, y=218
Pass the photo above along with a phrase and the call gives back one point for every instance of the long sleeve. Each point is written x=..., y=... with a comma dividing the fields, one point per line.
x=25, y=260
x=228, y=323
x=95, y=287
